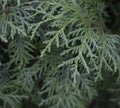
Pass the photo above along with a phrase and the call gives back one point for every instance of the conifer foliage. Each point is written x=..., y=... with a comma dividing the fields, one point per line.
x=53, y=52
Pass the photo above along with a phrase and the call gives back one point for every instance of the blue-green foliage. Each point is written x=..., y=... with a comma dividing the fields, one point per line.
x=56, y=51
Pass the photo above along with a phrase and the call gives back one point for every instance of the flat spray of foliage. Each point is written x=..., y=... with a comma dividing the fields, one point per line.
x=54, y=52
